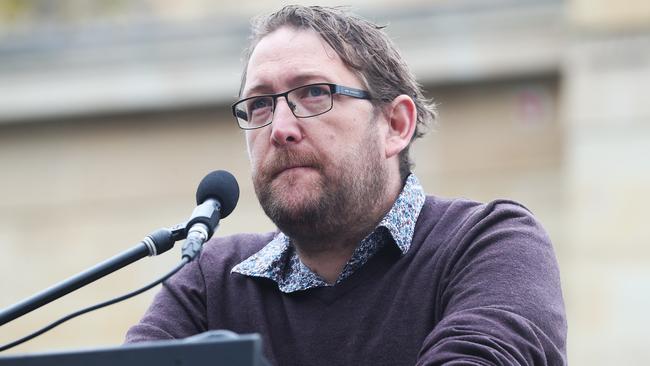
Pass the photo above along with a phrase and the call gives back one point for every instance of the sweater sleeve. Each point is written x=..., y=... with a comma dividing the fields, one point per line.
x=178, y=309
x=500, y=298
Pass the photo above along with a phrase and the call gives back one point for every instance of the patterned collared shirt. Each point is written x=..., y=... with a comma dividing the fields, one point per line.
x=279, y=261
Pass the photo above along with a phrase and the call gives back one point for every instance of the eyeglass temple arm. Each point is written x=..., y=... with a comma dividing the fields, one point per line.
x=351, y=92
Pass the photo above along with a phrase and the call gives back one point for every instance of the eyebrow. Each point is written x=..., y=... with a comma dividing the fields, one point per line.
x=295, y=81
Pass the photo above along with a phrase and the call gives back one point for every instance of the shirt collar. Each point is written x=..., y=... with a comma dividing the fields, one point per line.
x=400, y=220
x=275, y=259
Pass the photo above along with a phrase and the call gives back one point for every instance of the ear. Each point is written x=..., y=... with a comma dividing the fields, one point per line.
x=402, y=118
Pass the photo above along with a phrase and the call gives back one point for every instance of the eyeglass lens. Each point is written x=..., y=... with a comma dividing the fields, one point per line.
x=306, y=101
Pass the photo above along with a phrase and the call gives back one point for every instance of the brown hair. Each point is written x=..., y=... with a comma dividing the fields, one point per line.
x=364, y=47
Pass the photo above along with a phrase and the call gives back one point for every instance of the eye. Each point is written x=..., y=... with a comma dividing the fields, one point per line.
x=258, y=103
x=315, y=91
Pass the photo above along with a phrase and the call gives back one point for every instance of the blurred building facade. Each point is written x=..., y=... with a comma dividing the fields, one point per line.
x=111, y=114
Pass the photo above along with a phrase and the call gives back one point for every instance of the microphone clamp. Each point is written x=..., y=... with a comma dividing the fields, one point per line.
x=196, y=236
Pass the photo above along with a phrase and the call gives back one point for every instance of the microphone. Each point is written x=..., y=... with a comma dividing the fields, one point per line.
x=216, y=197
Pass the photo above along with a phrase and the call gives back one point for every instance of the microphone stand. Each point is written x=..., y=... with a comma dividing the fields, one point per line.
x=153, y=244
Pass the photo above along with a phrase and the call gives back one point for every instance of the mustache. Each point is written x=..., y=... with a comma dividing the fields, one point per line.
x=285, y=159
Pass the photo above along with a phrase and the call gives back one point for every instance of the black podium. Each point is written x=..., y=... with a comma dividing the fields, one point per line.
x=213, y=348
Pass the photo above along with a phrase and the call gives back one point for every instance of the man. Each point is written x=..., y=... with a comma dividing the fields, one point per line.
x=364, y=269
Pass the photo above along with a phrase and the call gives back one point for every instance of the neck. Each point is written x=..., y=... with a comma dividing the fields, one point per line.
x=328, y=263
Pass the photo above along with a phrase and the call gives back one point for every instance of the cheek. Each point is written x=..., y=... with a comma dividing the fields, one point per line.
x=254, y=146
x=330, y=138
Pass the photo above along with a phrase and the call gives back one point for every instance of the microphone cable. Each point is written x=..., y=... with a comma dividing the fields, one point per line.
x=64, y=319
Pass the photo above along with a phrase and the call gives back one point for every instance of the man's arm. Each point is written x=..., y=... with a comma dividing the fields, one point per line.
x=178, y=310
x=502, y=297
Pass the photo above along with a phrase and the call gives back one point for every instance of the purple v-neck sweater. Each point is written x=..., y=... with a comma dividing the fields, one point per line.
x=479, y=286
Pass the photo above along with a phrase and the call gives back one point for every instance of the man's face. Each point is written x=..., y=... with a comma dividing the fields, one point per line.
x=312, y=175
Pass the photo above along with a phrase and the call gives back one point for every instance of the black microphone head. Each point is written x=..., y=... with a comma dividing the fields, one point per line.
x=221, y=186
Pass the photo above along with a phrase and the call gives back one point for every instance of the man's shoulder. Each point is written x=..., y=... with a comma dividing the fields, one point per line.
x=448, y=217
x=461, y=209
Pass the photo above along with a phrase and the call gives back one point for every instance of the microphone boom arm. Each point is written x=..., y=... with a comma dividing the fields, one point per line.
x=156, y=243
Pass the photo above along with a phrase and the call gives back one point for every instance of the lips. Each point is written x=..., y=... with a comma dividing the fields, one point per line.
x=292, y=168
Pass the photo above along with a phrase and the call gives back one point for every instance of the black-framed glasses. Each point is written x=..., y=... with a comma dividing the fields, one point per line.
x=304, y=101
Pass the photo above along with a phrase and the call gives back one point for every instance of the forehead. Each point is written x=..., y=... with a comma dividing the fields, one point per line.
x=290, y=57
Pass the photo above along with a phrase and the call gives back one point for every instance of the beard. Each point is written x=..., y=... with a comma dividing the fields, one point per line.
x=342, y=196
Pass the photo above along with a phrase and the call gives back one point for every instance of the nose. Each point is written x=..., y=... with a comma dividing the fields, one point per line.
x=285, y=128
